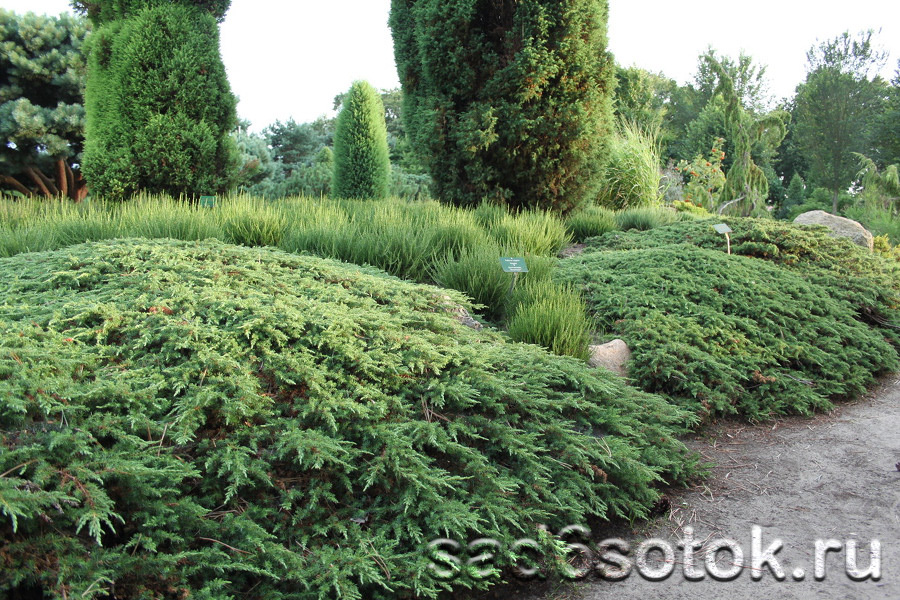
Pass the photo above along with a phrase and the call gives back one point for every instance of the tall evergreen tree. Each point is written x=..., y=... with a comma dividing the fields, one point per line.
x=836, y=107
x=159, y=107
x=887, y=126
x=42, y=71
x=362, y=167
x=509, y=100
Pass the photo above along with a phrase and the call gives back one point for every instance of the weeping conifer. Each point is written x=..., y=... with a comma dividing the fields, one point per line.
x=746, y=187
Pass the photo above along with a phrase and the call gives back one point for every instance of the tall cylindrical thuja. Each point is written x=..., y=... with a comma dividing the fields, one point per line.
x=159, y=107
x=507, y=100
x=362, y=167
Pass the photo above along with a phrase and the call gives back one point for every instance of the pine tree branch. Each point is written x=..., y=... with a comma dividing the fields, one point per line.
x=54, y=191
x=62, y=181
x=15, y=184
x=38, y=181
x=727, y=204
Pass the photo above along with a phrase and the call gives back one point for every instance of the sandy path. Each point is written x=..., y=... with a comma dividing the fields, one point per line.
x=799, y=480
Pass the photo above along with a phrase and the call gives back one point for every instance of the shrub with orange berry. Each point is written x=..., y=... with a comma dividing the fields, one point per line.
x=704, y=177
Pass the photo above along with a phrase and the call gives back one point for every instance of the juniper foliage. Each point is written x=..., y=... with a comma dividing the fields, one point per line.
x=195, y=419
x=807, y=322
x=868, y=282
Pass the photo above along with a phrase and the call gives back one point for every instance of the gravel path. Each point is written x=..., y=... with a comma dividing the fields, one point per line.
x=832, y=477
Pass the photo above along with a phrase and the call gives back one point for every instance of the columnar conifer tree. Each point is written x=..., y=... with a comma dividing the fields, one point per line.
x=159, y=107
x=509, y=100
x=362, y=167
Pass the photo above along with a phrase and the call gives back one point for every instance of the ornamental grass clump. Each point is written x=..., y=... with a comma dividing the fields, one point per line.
x=632, y=175
x=727, y=334
x=203, y=420
x=550, y=315
x=590, y=222
x=646, y=217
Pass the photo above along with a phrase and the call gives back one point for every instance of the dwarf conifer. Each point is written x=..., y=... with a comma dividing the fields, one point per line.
x=159, y=107
x=362, y=167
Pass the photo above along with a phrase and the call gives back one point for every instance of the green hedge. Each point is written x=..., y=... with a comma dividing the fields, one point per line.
x=195, y=419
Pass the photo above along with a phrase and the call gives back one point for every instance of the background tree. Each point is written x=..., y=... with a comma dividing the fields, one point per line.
x=835, y=108
x=362, y=167
x=746, y=185
x=507, y=101
x=795, y=196
x=887, y=125
x=641, y=97
x=313, y=179
x=42, y=71
x=684, y=107
x=790, y=159
x=295, y=143
x=159, y=107
x=256, y=166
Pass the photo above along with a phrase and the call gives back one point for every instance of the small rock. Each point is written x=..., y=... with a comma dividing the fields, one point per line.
x=611, y=356
x=460, y=314
x=839, y=226
x=573, y=250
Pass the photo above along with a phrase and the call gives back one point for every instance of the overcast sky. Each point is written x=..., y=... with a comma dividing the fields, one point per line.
x=289, y=59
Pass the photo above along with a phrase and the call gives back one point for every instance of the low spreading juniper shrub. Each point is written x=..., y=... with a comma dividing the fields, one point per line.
x=730, y=334
x=196, y=419
x=412, y=240
x=870, y=282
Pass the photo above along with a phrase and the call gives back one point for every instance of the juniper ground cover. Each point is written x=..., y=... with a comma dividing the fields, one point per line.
x=197, y=419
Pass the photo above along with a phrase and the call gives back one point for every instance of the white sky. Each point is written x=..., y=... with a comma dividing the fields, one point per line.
x=289, y=59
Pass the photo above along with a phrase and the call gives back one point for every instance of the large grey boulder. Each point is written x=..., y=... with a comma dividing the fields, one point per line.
x=839, y=226
x=612, y=356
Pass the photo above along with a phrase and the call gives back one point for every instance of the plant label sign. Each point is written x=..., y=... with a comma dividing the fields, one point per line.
x=514, y=265
x=722, y=228
x=207, y=201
